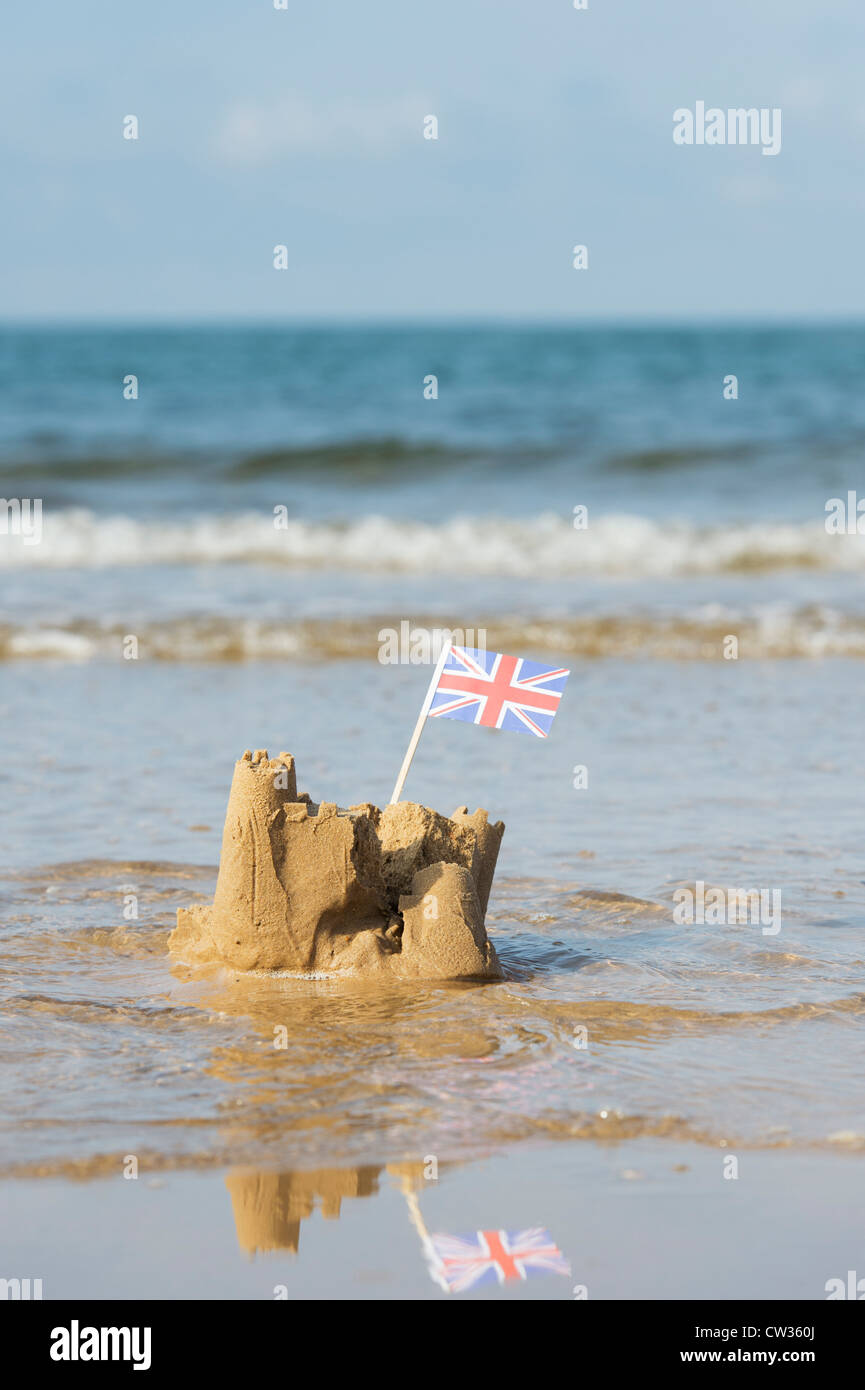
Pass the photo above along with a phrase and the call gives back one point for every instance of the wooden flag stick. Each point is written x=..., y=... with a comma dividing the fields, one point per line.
x=416, y=1219
x=421, y=720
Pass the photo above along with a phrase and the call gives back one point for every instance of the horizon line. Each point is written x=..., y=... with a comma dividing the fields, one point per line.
x=638, y=321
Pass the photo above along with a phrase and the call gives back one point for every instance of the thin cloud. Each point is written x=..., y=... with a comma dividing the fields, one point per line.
x=257, y=133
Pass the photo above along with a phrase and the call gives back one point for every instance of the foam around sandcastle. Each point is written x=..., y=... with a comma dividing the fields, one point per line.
x=314, y=889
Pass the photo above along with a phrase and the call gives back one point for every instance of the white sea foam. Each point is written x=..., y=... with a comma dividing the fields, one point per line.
x=543, y=546
x=51, y=642
x=695, y=634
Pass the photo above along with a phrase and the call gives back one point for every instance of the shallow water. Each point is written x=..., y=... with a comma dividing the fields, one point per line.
x=636, y=1219
x=721, y=1034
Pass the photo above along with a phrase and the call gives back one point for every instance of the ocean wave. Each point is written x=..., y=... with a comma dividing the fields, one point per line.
x=659, y=460
x=767, y=632
x=540, y=547
x=359, y=456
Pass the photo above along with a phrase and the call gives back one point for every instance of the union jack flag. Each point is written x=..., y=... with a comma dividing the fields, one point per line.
x=503, y=692
x=459, y=1262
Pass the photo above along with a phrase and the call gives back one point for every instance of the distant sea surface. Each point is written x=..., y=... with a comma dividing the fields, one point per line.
x=705, y=515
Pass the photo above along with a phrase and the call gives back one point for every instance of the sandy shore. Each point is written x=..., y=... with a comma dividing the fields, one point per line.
x=644, y=1220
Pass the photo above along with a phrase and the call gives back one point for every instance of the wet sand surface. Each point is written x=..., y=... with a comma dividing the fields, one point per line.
x=634, y=1220
x=700, y=1040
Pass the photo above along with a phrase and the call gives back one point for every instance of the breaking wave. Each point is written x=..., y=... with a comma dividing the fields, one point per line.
x=541, y=547
x=767, y=632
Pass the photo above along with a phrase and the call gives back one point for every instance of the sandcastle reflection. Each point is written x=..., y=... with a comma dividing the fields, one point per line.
x=270, y=1207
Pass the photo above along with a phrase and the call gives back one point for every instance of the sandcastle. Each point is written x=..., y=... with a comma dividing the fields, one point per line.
x=317, y=890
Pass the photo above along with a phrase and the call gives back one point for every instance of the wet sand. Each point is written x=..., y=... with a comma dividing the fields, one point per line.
x=702, y=1040
x=635, y=1220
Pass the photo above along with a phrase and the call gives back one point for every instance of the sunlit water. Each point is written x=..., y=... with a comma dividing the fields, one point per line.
x=613, y=1022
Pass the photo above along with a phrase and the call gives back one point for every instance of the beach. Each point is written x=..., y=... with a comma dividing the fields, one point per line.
x=637, y=1221
x=597, y=1091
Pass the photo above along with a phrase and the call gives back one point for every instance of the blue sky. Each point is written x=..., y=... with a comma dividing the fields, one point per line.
x=304, y=127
